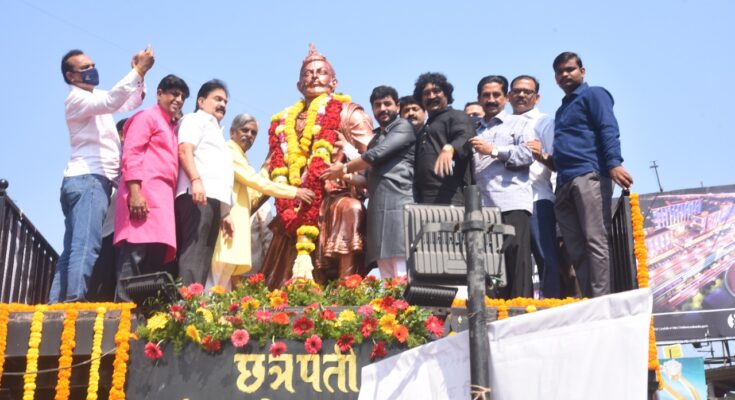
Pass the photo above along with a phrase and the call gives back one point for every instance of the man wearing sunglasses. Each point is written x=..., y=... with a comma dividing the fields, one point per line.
x=93, y=166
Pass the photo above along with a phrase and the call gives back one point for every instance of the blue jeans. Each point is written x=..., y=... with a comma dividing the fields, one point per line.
x=543, y=247
x=84, y=201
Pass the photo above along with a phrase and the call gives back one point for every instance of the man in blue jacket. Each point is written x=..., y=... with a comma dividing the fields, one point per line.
x=587, y=157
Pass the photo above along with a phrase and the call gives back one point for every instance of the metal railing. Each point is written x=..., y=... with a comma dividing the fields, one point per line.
x=26, y=258
x=623, y=268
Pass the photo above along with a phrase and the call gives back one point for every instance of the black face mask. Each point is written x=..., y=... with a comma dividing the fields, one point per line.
x=90, y=76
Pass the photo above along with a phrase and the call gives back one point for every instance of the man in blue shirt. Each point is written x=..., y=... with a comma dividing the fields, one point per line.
x=587, y=157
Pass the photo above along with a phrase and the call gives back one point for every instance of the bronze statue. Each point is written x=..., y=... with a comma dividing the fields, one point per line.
x=304, y=139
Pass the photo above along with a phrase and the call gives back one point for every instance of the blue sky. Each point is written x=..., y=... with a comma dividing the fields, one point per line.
x=667, y=64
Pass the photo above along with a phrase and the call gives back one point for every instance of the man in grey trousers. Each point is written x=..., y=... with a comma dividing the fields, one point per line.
x=587, y=157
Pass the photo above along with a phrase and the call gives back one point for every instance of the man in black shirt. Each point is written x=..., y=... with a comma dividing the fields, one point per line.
x=443, y=155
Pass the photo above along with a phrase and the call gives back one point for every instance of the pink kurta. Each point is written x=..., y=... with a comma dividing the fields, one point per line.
x=150, y=155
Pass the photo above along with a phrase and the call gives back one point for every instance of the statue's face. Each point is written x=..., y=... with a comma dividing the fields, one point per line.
x=316, y=78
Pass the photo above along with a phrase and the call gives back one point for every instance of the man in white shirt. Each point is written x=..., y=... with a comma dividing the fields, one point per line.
x=204, y=190
x=93, y=165
x=523, y=97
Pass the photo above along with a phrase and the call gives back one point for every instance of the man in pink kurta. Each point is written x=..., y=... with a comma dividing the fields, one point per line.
x=145, y=229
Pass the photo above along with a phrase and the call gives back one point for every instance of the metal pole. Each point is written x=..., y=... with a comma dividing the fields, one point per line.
x=654, y=167
x=473, y=228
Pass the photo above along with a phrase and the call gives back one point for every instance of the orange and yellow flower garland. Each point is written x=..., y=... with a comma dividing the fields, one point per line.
x=4, y=316
x=34, y=342
x=66, y=350
x=68, y=343
x=641, y=256
x=94, y=368
x=120, y=365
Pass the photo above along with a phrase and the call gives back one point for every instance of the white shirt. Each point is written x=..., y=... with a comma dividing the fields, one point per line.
x=542, y=178
x=212, y=158
x=95, y=145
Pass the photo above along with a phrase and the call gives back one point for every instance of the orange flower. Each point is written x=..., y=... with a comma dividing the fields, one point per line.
x=280, y=318
x=401, y=333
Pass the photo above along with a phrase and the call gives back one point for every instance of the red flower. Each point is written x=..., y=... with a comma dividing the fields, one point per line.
x=302, y=325
x=370, y=279
x=196, y=289
x=280, y=318
x=277, y=349
x=352, y=281
x=234, y=320
x=233, y=308
x=255, y=279
x=368, y=326
x=401, y=333
x=378, y=351
x=152, y=351
x=263, y=315
x=387, y=305
x=313, y=344
x=311, y=307
x=435, y=326
x=210, y=344
x=345, y=342
x=240, y=337
x=328, y=315
x=177, y=312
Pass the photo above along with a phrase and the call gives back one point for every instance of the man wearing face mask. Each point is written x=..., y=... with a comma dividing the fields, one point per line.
x=204, y=189
x=93, y=165
x=232, y=255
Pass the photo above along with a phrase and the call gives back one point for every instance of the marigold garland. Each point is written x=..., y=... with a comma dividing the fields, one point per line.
x=34, y=341
x=120, y=364
x=641, y=256
x=4, y=316
x=94, y=368
x=66, y=350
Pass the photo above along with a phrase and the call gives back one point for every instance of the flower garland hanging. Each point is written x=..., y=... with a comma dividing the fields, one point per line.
x=34, y=342
x=66, y=358
x=94, y=368
x=120, y=365
x=641, y=256
x=289, y=155
x=4, y=316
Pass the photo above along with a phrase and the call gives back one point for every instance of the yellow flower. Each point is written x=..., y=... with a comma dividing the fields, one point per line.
x=193, y=333
x=388, y=323
x=206, y=314
x=376, y=304
x=217, y=289
x=157, y=321
x=253, y=304
x=276, y=298
x=530, y=308
x=347, y=316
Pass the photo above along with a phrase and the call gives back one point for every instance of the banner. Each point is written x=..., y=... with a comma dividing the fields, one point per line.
x=542, y=355
x=690, y=237
x=683, y=378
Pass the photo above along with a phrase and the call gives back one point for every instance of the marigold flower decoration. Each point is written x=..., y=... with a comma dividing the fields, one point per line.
x=289, y=155
x=120, y=364
x=34, y=341
x=641, y=256
x=4, y=316
x=66, y=350
x=94, y=367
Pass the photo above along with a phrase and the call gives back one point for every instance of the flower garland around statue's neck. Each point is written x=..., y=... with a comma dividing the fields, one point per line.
x=289, y=155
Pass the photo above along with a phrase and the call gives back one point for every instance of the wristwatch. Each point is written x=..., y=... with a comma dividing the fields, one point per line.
x=494, y=152
x=448, y=147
